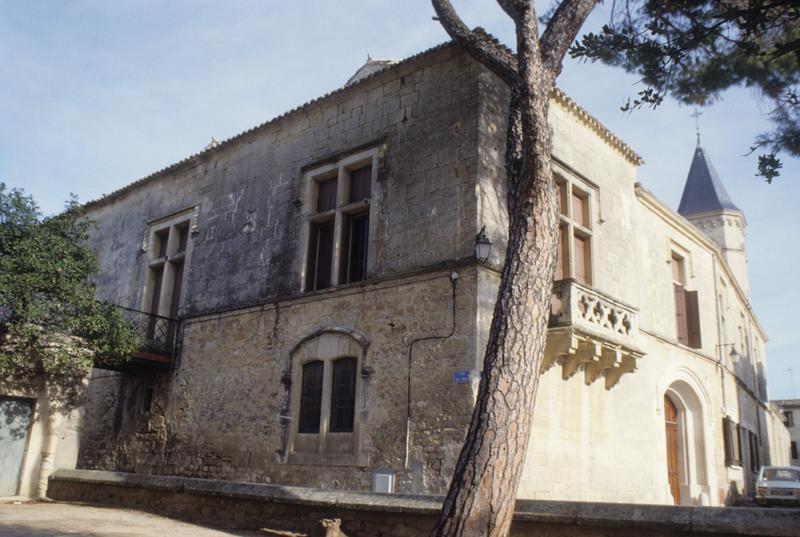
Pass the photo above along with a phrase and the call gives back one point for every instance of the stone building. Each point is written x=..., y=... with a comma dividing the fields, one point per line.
x=791, y=416
x=315, y=313
x=39, y=434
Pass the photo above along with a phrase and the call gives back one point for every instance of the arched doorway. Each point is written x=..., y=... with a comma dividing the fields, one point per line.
x=673, y=446
x=686, y=463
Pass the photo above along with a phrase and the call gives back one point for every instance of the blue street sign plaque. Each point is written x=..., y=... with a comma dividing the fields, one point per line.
x=461, y=376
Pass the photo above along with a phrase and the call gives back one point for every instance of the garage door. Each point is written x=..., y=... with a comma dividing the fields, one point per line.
x=15, y=419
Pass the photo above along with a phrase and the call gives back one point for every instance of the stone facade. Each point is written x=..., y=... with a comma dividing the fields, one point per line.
x=50, y=438
x=417, y=324
x=790, y=411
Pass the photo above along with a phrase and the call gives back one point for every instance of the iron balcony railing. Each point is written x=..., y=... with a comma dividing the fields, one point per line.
x=156, y=333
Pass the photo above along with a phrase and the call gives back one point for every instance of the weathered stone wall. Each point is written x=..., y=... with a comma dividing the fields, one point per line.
x=219, y=413
x=246, y=506
x=249, y=191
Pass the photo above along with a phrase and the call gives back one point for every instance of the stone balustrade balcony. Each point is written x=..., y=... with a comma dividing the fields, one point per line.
x=591, y=332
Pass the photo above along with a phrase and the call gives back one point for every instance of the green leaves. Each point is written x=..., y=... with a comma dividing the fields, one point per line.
x=50, y=322
x=696, y=49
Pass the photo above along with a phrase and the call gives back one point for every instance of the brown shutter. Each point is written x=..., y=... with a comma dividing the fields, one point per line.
x=562, y=198
x=737, y=445
x=579, y=249
x=562, y=243
x=680, y=314
x=726, y=438
x=579, y=210
x=693, y=319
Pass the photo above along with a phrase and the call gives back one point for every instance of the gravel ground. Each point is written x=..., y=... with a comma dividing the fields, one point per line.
x=46, y=519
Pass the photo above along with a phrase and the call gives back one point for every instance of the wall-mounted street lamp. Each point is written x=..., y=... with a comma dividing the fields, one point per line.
x=734, y=354
x=483, y=246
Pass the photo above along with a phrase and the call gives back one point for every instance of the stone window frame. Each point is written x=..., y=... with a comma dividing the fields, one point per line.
x=570, y=226
x=326, y=447
x=688, y=327
x=339, y=168
x=185, y=219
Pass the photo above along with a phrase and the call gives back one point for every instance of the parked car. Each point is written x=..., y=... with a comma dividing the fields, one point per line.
x=778, y=485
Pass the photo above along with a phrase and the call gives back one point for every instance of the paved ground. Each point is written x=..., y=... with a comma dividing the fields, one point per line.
x=62, y=520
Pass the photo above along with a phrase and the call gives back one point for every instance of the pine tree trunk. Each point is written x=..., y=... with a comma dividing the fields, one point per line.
x=482, y=493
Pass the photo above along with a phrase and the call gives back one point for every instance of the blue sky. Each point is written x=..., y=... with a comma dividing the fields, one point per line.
x=95, y=94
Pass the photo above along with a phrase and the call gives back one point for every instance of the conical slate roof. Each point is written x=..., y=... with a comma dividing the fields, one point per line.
x=704, y=191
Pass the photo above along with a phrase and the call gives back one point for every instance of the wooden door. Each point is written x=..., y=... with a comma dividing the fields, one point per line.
x=15, y=419
x=671, y=425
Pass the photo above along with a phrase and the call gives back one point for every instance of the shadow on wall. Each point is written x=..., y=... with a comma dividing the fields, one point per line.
x=734, y=497
x=15, y=413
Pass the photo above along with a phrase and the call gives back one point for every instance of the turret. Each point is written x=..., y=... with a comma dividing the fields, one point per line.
x=707, y=205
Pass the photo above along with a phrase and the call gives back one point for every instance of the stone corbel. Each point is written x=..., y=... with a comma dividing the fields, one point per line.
x=611, y=358
x=588, y=354
x=559, y=346
x=613, y=375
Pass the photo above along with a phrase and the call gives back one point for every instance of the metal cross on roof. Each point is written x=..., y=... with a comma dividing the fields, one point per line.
x=696, y=115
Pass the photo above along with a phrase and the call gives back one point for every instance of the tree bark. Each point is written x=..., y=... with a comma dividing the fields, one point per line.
x=482, y=494
x=483, y=491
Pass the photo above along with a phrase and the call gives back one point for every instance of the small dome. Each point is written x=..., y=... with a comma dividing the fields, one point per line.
x=371, y=67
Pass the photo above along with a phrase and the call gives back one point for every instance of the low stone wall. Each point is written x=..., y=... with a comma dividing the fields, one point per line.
x=250, y=505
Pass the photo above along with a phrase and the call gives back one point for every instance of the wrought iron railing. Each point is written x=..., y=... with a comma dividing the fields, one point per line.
x=156, y=333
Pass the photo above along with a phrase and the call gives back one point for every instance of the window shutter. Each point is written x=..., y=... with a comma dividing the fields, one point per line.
x=579, y=210
x=579, y=249
x=680, y=314
x=562, y=244
x=755, y=458
x=726, y=438
x=693, y=319
x=737, y=446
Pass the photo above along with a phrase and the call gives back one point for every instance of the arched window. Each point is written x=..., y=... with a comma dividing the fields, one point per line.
x=343, y=395
x=311, y=397
x=327, y=400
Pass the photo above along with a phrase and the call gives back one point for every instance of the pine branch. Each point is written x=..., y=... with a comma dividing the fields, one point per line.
x=562, y=31
x=495, y=57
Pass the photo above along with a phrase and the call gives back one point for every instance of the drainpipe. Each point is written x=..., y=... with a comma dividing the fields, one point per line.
x=453, y=280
